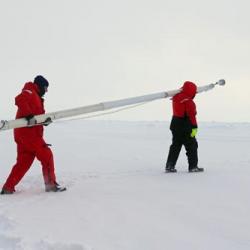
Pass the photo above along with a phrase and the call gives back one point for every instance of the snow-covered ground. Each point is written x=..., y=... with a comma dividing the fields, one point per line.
x=119, y=197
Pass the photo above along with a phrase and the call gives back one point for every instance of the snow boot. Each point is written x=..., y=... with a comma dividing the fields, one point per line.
x=54, y=188
x=195, y=170
x=5, y=191
x=170, y=169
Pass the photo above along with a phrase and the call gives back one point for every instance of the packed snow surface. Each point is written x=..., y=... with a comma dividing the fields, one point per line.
x=119, y=197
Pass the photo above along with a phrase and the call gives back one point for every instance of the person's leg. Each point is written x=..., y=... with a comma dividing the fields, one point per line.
x=174, y=151
x=191, y=146
x=25, y=159
x=45, y=156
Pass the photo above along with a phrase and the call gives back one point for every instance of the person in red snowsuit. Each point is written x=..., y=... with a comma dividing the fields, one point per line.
x=184, y=128
x=29, y=140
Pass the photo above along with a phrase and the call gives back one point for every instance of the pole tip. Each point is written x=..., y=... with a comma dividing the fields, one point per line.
x=221, y=82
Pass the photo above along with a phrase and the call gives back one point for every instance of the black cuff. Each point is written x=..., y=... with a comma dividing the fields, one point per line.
x=29, y=117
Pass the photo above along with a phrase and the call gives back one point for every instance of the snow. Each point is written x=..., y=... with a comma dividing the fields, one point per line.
x=119, y=197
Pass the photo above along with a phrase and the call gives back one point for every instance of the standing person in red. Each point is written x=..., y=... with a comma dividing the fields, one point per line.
x=184, y=129
x=30, y=142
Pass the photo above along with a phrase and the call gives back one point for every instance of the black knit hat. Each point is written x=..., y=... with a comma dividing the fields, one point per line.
x=42, y=84
x=41, y=81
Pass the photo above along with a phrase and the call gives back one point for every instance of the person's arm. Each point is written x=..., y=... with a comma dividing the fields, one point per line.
x=24, y=108
x=22, y=101
x=191, y=113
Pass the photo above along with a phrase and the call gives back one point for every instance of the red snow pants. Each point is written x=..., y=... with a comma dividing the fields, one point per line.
x=26, y=153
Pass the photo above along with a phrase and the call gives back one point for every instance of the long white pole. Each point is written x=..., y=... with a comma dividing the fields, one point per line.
x=18, y=123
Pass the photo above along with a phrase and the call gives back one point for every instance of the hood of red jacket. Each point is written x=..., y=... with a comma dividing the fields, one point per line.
x=189, y=89
x=31, y=86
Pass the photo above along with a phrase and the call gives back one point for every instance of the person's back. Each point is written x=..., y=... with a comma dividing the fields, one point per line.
x=184, y=108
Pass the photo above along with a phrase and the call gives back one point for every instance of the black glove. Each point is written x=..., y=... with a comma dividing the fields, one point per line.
x=31, y=120
x=47, y=121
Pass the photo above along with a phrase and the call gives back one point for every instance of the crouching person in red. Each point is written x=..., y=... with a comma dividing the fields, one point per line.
x=29, y=140
x=184, y=128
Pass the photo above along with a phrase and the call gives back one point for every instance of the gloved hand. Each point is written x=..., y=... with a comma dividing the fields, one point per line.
x=47, y=121
x=31, y=120
x=194, y=132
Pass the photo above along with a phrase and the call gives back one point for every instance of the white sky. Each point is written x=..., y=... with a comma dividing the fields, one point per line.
x=94, y=50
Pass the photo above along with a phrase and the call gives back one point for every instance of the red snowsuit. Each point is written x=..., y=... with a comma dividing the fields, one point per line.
x=30, y=142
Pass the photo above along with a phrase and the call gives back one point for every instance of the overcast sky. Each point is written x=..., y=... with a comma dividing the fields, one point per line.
x=94, y=50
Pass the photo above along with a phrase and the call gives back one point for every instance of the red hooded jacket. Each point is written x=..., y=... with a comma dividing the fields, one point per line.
x=183, y=104
x=29, y=103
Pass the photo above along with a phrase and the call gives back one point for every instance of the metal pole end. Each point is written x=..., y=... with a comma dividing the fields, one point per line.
x=2, y=124
x=221, y=82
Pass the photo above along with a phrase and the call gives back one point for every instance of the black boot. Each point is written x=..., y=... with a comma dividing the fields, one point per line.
x=170, y=168
x=54, y=188
x=195, y=170
x=5, y=191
